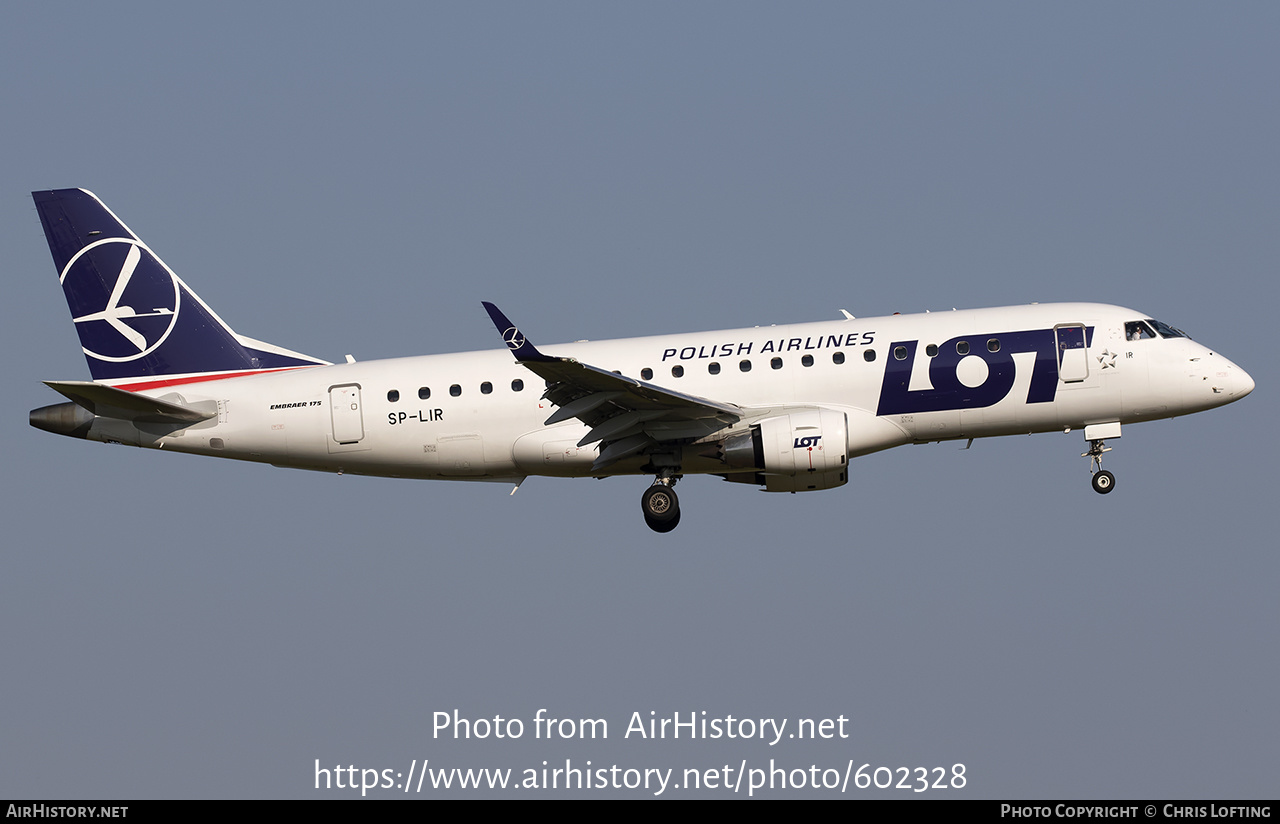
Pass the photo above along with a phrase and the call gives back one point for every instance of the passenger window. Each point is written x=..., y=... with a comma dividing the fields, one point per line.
x=869, y=356
x=993, y=345
x=745, y=365
x=713, y=368
x=486, y=388
x=807, y=360
x=931, y=350
x=393, y=395
x=455, y=390
x=962, y=348
x=677, y=371
x=838, y=357
x=899, y=353
x=646, y=374
x=423, y=393
x=776, y=363
x=517, y=385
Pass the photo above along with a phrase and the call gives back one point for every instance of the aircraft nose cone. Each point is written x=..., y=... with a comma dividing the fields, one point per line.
x=1244, y=383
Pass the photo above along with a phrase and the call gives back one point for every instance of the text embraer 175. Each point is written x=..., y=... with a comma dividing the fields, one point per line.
x=781, y=407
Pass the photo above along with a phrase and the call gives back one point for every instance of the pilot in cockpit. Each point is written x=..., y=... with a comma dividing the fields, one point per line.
x=1137, y=330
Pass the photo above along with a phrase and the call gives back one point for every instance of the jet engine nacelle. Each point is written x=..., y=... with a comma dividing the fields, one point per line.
x=800, y=450
x=805, y=450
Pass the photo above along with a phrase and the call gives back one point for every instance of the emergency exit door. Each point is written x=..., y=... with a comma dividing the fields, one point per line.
x=347, y=413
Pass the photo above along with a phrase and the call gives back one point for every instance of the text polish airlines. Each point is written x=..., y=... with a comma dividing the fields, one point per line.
x=782, y=408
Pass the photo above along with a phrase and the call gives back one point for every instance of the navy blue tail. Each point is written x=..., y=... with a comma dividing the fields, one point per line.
x=135, y=317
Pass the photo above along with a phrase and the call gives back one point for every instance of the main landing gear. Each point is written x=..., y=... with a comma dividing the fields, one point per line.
x=1103, y=481
x=660, y=505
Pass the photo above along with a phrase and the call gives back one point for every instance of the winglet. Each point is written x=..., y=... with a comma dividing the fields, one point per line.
x=520, y=346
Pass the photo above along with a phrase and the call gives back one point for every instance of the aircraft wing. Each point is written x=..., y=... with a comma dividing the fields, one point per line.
x=625, y=415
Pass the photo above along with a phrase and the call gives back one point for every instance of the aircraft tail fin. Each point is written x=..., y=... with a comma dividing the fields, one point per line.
x=140, y=326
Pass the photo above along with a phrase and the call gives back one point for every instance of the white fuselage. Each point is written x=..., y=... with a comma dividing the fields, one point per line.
x=479, y=415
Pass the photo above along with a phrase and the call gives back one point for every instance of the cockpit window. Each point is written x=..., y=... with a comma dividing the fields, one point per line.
x=1137, y=330
x=1143, y=329
x=1167, y=331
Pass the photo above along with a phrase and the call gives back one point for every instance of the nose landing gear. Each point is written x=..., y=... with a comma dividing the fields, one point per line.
x=1103, y=481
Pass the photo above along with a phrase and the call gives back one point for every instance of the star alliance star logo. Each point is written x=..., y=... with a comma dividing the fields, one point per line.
x=513, y=338
x=1107, y=359
x=116, y=326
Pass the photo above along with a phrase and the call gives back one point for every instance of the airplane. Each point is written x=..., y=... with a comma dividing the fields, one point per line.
x=779, y=408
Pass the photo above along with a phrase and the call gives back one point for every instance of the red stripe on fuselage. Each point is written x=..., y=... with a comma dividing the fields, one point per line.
x=159, y=384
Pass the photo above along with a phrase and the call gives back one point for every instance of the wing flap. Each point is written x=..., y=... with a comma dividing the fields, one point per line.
x=619, y=425
x=581, y=406
x=617, y=450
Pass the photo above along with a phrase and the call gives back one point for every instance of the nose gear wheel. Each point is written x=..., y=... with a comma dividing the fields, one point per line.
x=1103, y=481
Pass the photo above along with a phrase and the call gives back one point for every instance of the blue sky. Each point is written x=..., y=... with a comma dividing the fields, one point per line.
x=346, y=179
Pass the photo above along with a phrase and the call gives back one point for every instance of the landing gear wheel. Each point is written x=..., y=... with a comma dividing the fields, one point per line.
x=664, y=527
x=1103, y=482
x=661, y=508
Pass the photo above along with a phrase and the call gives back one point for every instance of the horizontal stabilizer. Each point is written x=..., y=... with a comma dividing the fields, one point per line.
x=110, y=402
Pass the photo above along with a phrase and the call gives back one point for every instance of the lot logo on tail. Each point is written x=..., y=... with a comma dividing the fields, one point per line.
x=123, y=300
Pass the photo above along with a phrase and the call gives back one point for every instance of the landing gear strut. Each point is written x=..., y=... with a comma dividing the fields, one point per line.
x=1103, y=481
x=660, y=505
